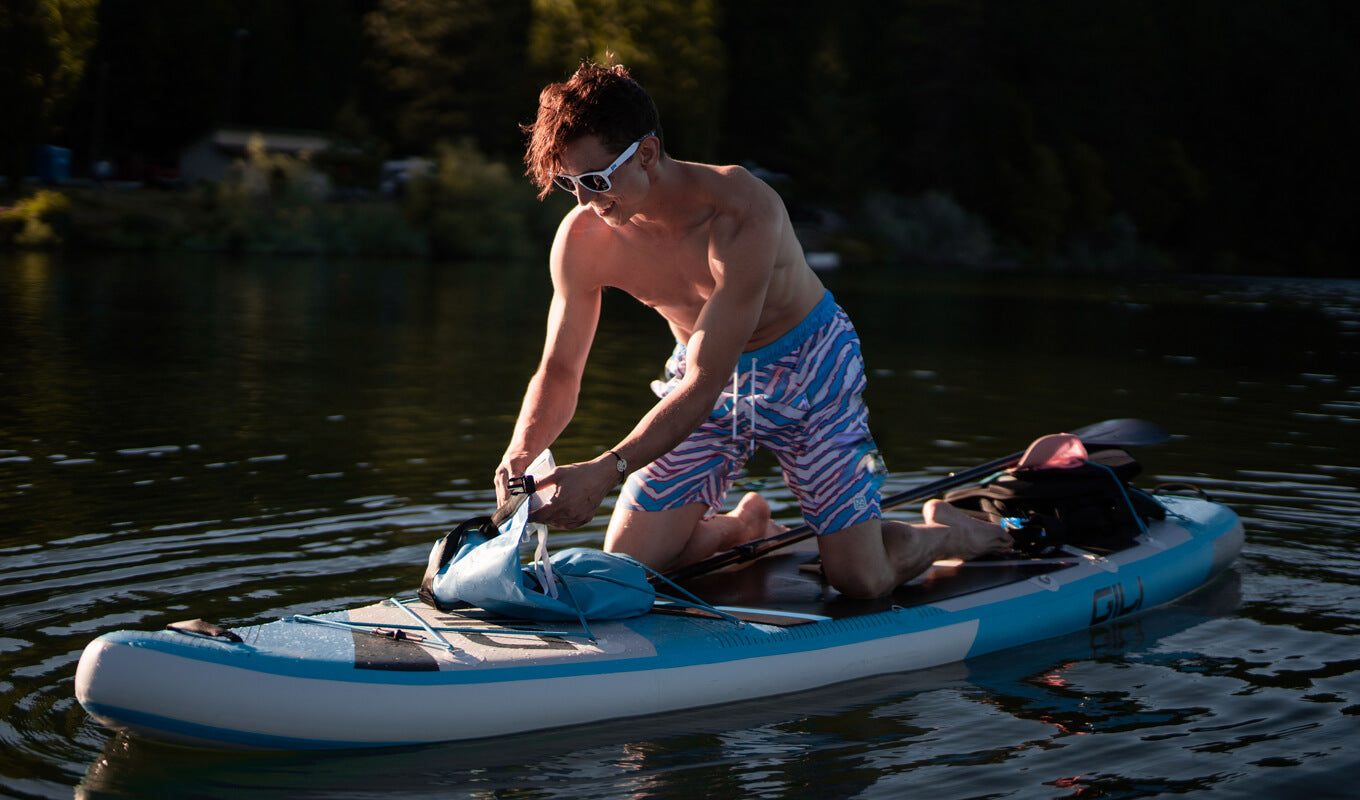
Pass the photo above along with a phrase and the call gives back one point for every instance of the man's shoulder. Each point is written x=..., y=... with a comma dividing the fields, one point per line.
x=731, y=178
x=740, y=197
x=581, y=246
x=582, y=225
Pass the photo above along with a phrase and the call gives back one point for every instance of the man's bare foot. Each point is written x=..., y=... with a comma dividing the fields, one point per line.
x=749, y=521
x=969, y=536
x=754, y=512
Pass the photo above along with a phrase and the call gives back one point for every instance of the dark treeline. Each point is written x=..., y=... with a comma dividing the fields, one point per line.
x=1219, y=130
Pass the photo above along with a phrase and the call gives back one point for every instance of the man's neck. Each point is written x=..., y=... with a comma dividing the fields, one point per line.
x=672, y=209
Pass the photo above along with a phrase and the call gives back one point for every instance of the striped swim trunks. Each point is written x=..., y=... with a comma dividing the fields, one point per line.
x=798, y=397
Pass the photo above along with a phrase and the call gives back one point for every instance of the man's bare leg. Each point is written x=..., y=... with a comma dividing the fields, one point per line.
x=667, y=540
x=970, y=537
x=874, y=557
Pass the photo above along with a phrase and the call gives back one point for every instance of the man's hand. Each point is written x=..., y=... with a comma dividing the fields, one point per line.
x=511, y=466
x=580, y=490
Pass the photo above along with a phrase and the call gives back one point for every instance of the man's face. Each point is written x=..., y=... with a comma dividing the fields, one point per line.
x=586, y=162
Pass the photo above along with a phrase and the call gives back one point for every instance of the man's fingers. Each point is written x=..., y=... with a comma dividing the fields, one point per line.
x=548, y=479
x=557, y=516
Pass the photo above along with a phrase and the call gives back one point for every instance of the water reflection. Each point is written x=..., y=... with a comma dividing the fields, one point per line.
x=244, y=440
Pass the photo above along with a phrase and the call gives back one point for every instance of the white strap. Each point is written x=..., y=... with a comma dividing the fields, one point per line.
x=542, y=566
x=752, y=400
x=736, y=393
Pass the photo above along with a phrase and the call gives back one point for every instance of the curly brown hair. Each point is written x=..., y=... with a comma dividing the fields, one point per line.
x=595, y=101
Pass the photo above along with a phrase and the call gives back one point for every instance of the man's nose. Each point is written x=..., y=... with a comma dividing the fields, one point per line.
x=584, y=195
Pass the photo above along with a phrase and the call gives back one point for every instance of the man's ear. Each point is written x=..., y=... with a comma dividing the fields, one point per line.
x=650, y=150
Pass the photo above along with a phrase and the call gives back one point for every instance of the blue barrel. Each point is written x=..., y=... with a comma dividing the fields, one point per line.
x=53, y=164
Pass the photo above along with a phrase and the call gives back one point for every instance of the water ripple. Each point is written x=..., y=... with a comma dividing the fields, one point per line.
x=298, y=453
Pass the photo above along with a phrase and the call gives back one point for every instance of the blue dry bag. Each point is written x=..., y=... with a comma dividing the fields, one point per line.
x=478, y=564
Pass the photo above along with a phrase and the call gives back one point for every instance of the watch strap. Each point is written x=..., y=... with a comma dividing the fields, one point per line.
x=621, y=464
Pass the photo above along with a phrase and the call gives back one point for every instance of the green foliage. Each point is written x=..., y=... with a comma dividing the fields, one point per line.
x=443, y=64
x=169, y=71
x=272, y=203
x=1212, y=127
x=829, y=127
x=670, y=46
x=1114, y=248
x=471, y=207
x=277, y=203
x=1220, y=131
x=356, y=157
x=44, y=45
x=1091, y=198
x=37, y=221
x=929, y=229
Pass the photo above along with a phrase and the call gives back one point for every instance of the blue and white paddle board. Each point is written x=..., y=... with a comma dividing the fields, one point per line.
x=378, y=676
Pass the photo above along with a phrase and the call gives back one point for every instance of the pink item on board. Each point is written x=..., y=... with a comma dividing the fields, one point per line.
x=1055, y=451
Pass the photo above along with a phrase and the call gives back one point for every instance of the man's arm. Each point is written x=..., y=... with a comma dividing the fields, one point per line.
x=550, y=399
x=742, y=250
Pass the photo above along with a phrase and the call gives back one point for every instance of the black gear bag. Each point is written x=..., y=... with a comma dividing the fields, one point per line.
x=1091, y=506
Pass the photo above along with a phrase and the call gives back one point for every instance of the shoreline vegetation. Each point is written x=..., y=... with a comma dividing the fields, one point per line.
x=1191, y=138
x=467, y=206
x=278, y=204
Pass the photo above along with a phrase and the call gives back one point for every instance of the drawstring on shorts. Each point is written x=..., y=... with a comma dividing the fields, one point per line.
x=751, y=397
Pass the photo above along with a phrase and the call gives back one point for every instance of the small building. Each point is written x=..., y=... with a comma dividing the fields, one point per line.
x=209, y=158
x=52, y=164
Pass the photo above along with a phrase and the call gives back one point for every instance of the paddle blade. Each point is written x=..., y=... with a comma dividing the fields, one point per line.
x=1122, y=433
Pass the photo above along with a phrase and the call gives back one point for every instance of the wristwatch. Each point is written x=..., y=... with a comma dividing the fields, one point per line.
x=621, y=465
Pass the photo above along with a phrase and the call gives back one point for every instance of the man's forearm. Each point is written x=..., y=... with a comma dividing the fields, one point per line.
x=547, y=409
x=668, y=423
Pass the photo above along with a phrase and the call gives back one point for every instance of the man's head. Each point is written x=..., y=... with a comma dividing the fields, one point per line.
x=596, y=101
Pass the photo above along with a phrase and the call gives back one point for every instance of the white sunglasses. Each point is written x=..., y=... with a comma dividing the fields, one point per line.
x=597, y=181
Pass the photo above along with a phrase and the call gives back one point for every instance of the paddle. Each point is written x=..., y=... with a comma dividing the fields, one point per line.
x=1110, y=433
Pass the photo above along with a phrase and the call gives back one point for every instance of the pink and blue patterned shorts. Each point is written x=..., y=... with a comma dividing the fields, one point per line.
x=798, y=397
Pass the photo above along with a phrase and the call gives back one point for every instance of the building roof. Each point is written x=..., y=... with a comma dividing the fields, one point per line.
x=235, y=140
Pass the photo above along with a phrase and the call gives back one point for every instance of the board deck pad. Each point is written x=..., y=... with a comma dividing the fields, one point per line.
x=479, y=638
x=374, y=651
x=777, y=582
x=761, y=589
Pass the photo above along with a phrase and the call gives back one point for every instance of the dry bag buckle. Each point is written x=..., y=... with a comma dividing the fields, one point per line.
x=524, y=484
x=1030, y=535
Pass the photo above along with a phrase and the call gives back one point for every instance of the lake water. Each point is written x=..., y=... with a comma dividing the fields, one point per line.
x=241, y=440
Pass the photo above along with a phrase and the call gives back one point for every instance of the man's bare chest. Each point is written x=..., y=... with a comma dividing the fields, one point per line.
x=675, y=279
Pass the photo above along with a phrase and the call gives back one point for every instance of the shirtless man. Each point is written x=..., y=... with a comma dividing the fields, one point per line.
x=712, y=249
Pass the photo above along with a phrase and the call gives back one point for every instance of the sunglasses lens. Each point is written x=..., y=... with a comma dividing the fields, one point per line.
x=595, y=183
x=564, y=183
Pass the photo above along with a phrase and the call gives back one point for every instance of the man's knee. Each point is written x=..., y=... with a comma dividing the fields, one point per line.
x=858, y=582
x=656, y=538
x=855, y=561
